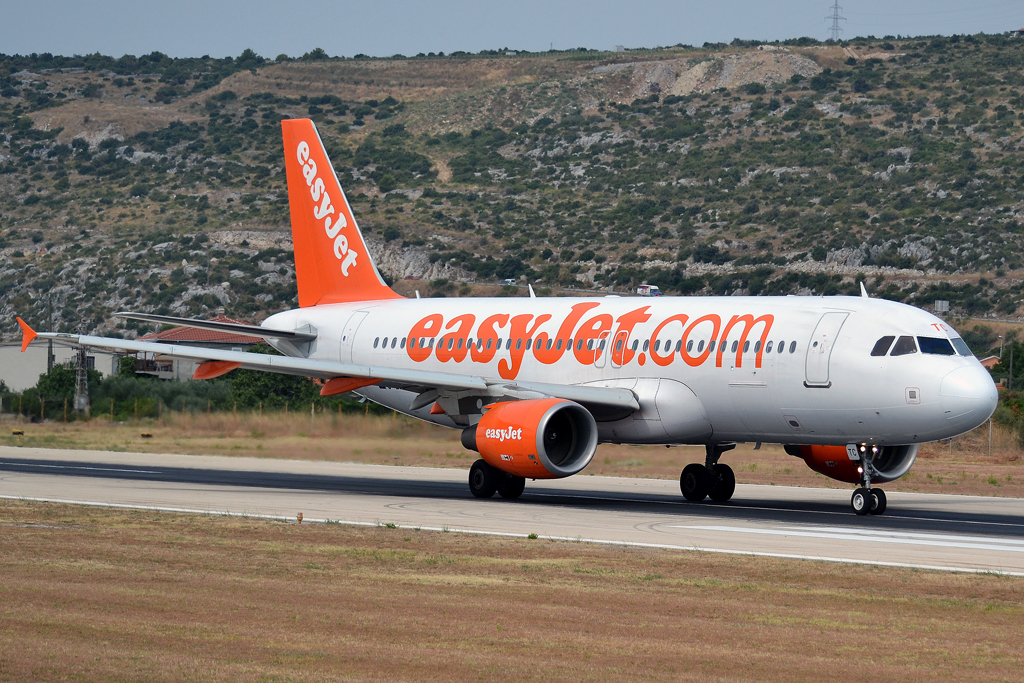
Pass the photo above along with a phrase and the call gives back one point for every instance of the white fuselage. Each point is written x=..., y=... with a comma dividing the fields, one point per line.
x=824, y=387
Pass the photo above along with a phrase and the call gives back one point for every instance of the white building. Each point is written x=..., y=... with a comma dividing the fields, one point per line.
x=20, y=371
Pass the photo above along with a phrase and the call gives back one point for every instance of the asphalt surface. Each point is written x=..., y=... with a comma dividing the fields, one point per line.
x=929, y=531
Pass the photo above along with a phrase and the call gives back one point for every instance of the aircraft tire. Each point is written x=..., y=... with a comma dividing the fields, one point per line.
x=483, y=479
x=723, y=483
x=861, y=501
x=511, y=487
x=879, y=507
x=694, y=482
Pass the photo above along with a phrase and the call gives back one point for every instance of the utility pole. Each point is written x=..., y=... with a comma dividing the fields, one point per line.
x=835, y=18
x=49, y=344
x=81, y=381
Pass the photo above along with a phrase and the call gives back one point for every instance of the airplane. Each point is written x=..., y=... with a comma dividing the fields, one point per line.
x=851, y=385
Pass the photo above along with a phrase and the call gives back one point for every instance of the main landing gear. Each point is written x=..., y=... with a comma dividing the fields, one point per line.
x=866, y=500
x=485, y=480
x=711, y=480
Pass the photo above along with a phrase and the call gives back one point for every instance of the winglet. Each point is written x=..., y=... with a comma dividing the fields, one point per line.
x=863, y=290
x=27, y=334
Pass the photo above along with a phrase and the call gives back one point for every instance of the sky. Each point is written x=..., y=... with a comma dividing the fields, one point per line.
x=193, y=28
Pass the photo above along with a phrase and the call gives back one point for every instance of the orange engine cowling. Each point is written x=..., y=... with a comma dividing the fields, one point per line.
x=889, y=462
x=545, y=438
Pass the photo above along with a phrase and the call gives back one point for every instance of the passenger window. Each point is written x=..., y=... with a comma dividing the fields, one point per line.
x=689, y=346
x=412, y=343
x=558, y=346
x=618, y=345
x=579, y=344
x=490, y=343
x=937, y=346
x=904, y=345
x=700, y=346
x=782, y=346
x=961, y=347
x=711, y=346
x=679, y=345
x=746, y=346
x=508, y=343
x=548, y=346
x=394, y=342
x=735, y=345
x=657, y=345
x=431, y=343
x=636, y=343
x=792, y=347
x=539, y=343
x=459, y=345
x=647, y=343
x=768, y=348
x=882, y=346
x=376, y=342
x=757, y=346
x=519, y=343
x=601, y=347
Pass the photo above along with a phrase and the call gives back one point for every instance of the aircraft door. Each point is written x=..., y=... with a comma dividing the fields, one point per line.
x=602, y=350
x=619, y=348
x=819, y=349
x=348, y=336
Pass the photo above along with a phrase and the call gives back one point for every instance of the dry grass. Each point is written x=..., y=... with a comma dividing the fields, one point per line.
x=93, y=594
x=964, y=466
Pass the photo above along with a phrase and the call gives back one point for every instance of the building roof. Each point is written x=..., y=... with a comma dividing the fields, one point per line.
x=195, y=335
x=990, y=361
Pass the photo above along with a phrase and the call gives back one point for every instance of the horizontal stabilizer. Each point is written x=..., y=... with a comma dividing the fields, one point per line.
x=219, y=326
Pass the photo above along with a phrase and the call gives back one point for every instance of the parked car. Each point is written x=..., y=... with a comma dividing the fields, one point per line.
x=509, y=281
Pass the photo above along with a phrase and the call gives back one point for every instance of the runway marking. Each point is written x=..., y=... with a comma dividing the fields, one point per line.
x=903, y=538
x=506, y=534
x=78, y=467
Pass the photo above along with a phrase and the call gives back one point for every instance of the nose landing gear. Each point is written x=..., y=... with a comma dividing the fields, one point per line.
x=866, y=500
x=710, y=480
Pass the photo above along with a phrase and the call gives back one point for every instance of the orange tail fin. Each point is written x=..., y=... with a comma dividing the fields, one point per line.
x=332, y=264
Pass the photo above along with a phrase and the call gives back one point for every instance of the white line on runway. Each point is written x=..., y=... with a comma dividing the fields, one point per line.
x=874, y=537
x=77, y=467
x=504, y=534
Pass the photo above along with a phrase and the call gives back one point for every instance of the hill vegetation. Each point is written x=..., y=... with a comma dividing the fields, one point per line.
x=157, y=184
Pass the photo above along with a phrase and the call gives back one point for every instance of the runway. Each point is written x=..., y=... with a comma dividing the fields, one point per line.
x=927, y=531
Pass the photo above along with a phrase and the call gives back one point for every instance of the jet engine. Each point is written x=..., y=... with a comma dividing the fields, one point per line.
x=546, y=438
x=844, y=463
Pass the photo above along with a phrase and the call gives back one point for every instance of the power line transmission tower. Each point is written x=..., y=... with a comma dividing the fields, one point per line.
x=835, y=30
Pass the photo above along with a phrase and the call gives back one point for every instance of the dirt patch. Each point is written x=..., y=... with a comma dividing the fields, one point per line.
x=704, y=74
x=99, y=595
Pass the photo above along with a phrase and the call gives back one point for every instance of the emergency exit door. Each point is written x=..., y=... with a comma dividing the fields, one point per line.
x=819, y=349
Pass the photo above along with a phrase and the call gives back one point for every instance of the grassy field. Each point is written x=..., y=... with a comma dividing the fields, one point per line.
x=963, y=466
x=103, y=595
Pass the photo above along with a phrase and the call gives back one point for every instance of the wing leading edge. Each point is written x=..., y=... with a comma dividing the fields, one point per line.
x=225, y=360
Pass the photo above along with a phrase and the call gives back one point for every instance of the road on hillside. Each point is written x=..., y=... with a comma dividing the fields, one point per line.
x=922, y=530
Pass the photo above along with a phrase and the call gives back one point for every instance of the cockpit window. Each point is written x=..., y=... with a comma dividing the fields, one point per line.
x=938, y=346
x=961, y=346
x=882, y=346
x=904, y=346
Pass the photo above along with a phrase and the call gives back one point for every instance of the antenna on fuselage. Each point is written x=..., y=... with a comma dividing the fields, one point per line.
x=863, y=291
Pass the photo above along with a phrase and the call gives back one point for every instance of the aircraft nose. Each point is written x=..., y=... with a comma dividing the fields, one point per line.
x=968, y=396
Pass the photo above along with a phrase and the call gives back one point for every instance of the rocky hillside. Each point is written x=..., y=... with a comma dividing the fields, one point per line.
x=157, y=184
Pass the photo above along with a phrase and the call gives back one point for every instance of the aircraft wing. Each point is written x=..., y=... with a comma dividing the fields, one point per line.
x=222, y=361
x=218, y=326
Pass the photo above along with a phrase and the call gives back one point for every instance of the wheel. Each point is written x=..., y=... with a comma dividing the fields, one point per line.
x=693, y=482
x=511, y=487
x=861, y=501
x=879, y=501
x=483, y=479
x=723, y=483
